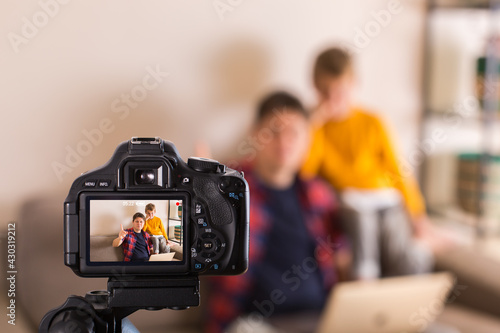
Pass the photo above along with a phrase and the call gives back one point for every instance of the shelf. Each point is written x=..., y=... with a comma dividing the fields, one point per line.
x=475, y=116
x=457, y=134
x=457, y=35
x=468, y=4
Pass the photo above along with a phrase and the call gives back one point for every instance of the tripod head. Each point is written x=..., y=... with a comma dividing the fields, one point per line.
x=103, y=311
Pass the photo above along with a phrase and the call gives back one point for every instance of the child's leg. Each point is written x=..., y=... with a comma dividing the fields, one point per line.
x=164, y=248
x=361, y=228
x=155, y=244
x=401, y=255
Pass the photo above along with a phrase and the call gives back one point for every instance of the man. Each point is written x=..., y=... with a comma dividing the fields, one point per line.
x=294, y=240
x=137, y=245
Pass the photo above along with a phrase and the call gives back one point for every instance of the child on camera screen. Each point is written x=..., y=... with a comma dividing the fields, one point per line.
x=154, y=226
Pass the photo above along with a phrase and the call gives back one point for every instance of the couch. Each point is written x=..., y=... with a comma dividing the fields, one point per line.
x=102, y=250
x=44, y=282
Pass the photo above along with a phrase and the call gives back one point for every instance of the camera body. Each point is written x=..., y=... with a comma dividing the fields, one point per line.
x=206, y=203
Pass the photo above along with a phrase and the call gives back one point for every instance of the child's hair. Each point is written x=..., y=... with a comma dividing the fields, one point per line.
x=150, y=207
x=332, y=63
x=278, y=101
x=138, y=214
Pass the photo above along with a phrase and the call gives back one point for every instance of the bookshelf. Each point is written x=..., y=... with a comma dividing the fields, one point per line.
x=461, y=58
x=174, y=222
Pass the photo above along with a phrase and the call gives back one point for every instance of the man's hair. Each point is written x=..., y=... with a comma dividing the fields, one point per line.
x=138, y=214
x=333, y=63
x=150, y=206
x=276, y=102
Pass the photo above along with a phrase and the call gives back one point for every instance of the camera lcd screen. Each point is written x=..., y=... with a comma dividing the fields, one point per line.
x=132, y=231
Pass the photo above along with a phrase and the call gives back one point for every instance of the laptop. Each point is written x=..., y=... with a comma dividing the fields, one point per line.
x=162, y=257
x=392, y=305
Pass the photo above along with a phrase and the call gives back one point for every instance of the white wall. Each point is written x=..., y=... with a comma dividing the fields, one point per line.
x=107, y=215
x=66, y=77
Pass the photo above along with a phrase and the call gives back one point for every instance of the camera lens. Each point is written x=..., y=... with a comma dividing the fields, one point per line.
x=145, y=176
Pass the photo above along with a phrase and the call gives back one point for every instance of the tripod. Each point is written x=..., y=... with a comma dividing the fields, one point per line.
x=103, y=311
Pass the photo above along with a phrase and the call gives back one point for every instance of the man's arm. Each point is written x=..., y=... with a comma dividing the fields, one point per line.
x=149, y=243
x=121, y=235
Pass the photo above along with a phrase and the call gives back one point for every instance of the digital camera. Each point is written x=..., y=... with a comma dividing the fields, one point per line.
x=202, y=208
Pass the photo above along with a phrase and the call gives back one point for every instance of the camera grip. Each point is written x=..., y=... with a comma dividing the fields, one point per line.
x=219, y=208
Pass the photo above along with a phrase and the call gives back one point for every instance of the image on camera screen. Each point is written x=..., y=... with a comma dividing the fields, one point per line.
x=136, y=231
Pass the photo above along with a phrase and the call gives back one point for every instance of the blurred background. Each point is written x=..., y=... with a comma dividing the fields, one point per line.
x=64, y=80
x=79, y=77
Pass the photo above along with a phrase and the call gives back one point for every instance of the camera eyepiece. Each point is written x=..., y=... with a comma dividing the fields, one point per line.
x=144, y=176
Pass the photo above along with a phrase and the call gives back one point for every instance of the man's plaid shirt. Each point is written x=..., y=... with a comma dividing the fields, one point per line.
x=318, y=202
x=129, y=241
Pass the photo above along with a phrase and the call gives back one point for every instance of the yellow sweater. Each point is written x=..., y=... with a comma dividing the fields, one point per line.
x=155, y=227
x=357, y=152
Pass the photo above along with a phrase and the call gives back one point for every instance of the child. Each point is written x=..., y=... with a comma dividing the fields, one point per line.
x=352, y=150
x=136, y=243
x=154, y=226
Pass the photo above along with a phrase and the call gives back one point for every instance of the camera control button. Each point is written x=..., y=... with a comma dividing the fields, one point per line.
x=104, y=183
x=239, y=184
x=198, y=209
x=202, y=222
x=208, y=255
x=225, y=184
x=218, y=245
x=90, y=183
x=186, y=180
x=198, y=266
x=208, y=235
x=215, y=267
x=208, y=245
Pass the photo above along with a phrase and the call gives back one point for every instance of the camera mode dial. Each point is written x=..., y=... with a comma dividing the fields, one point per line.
x=206, y=165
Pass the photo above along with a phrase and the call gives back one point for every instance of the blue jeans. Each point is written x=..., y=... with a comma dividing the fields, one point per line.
x=128, y=327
